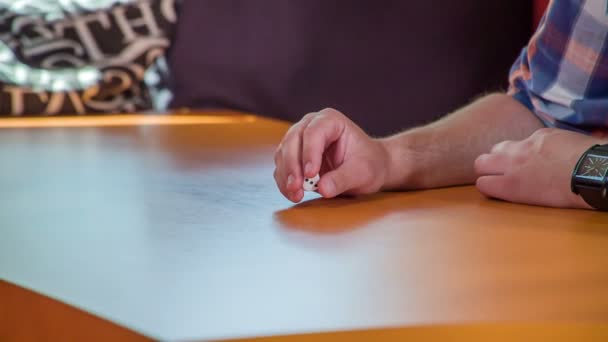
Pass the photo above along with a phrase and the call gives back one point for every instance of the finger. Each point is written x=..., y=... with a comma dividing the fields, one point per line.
x=344, y=178
x=291, y=170
x=326, y=165
x=491, y=164
x=290, y=195
x=288, y=157
x=502, y=146
x=321, y=132
x=296, y=196
x=501, y=187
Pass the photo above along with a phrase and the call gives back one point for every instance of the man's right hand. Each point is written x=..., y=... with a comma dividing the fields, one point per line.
x=329, y=144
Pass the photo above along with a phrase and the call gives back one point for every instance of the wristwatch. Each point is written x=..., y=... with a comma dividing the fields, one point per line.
x=589, y=178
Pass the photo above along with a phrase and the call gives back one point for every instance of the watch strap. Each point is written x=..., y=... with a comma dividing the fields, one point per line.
x=593, y=196
x=601, y=148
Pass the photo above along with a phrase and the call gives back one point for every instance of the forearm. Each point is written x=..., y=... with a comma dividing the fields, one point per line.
x=443, y=153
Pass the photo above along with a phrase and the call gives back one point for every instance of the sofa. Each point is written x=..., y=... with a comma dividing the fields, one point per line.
x=387, y=64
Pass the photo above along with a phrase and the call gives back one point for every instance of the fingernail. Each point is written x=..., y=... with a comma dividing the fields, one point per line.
x=289, y=180
x=308, y=168
x=293, y=196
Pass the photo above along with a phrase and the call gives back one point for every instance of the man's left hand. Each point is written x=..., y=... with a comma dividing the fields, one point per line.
x=536, y=170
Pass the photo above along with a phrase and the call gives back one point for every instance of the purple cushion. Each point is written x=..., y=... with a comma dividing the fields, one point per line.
x=387, y=64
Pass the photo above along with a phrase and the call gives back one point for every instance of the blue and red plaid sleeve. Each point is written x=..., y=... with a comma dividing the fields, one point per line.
x=562, y=75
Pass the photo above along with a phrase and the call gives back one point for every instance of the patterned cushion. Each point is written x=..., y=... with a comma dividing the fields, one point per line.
x=82, y=56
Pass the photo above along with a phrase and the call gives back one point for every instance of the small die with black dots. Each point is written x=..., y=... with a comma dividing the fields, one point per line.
x=311, y=184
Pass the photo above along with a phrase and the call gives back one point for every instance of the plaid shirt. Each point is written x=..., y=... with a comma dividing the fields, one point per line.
x=562, y=75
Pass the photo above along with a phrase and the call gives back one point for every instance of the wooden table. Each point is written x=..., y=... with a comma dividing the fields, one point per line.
x=171, y=228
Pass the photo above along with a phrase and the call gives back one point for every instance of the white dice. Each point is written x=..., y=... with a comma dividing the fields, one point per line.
x=311, y=184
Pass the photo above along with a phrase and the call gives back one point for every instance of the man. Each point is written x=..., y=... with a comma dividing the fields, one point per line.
x=499, y=141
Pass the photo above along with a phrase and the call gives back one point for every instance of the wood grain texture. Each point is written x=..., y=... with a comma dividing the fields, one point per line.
x=179, y=232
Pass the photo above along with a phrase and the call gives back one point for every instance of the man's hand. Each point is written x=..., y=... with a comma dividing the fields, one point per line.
x=327, y=142
x=536, y=170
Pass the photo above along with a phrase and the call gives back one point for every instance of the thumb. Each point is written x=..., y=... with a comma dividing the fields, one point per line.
x=344, y=178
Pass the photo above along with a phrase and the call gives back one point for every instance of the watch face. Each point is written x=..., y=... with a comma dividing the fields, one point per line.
x=593, y=167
